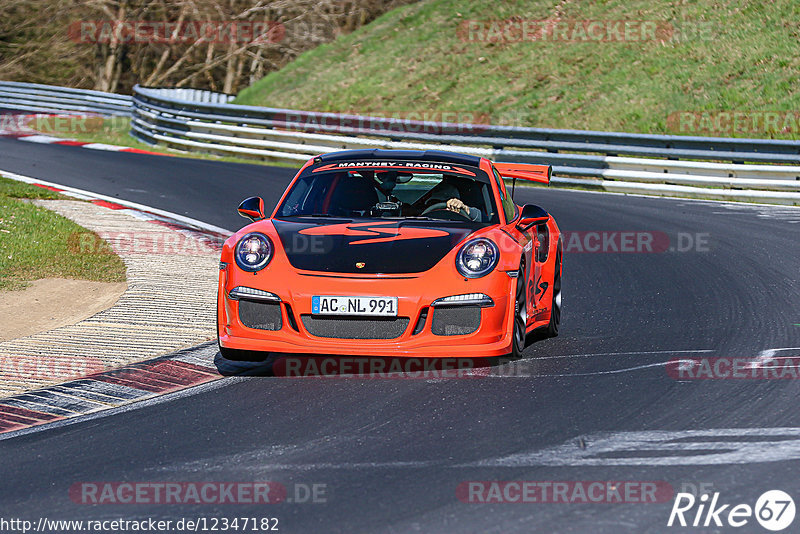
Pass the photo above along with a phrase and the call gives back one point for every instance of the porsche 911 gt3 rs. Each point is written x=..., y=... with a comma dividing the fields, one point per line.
x=392, y=253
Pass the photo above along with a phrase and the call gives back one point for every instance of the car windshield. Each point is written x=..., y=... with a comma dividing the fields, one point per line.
x=370, y=193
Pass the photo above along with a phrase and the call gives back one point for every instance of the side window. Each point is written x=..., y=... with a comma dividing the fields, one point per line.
x=508, y=204
x=297, y=197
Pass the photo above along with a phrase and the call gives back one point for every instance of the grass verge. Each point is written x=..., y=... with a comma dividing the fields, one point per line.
x=38, y=243
x=448, y=56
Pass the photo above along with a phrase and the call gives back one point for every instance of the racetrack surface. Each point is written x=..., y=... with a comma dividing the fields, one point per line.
x=392, y=452
x=175, y=184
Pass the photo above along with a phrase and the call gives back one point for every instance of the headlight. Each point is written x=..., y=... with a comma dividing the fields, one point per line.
x=253, y=252
x=477, y=258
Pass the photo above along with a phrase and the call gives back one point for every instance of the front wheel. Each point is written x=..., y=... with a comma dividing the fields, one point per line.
x=520, y=315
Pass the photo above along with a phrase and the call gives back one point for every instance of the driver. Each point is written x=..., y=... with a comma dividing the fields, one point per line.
x=447, y=192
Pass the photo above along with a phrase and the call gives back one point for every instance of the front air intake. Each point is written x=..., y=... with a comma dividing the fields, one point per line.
x=456, y=321
x=355, y=328
x=260, y=315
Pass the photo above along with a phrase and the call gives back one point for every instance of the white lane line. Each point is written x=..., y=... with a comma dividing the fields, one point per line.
x=565, y=375
x=44, y=139
x=139, y=215
x=103, y=146
x=714, y=446
x=351, y=465
x=663, y=448
x=186, y=220
x=676, y=199
x=769, y=355
x=620, y=354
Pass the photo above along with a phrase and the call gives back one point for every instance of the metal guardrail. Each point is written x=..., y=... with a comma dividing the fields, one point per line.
x=498, y=137
x=192, y=95
x=52, y=99
x=597, y=159
x=206, y=121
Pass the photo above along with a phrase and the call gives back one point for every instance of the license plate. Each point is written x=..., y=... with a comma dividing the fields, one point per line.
x=332, y=305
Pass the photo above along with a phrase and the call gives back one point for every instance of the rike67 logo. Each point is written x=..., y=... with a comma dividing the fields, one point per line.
x=774, y=510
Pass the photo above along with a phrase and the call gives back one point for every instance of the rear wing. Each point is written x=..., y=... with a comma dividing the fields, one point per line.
x=525, y=171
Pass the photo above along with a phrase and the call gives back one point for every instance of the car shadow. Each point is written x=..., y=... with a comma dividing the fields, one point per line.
x=314, y=366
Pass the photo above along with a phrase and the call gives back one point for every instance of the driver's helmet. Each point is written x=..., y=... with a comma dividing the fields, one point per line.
x=445, y=190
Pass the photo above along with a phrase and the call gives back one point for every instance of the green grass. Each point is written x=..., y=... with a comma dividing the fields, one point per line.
x=37, y=243
x=743, y=58
x=111, y=131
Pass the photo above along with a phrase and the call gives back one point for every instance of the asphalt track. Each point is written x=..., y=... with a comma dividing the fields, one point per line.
x=392, y=452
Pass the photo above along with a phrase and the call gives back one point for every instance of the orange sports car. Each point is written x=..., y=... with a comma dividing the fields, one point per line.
x=392, y=253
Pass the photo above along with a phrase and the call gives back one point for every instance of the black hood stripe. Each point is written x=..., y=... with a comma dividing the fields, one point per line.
x=372, y=246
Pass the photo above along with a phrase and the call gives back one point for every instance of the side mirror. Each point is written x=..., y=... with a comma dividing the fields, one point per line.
x=531, y=215
x=252, y=208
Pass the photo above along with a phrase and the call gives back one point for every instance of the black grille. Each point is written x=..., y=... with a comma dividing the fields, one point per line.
x=355, y=327
x=260, y=315
x=456, y=321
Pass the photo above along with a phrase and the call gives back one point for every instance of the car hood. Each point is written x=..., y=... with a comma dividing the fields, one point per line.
x=368, y=246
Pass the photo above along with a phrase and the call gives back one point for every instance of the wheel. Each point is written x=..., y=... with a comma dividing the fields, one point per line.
x=520, y=315
x=555, y=313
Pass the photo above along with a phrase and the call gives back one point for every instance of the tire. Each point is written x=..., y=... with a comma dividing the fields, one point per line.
x=555, y=310
x=520, y=315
